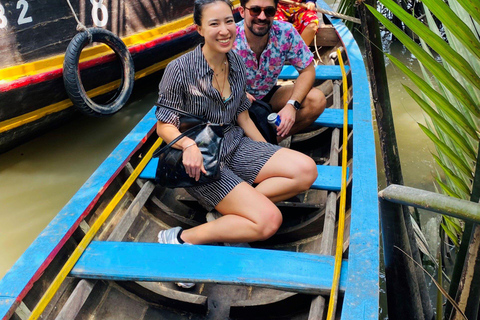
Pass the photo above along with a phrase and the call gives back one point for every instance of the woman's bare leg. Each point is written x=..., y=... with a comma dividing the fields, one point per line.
x=248, y=216
x=286, y=174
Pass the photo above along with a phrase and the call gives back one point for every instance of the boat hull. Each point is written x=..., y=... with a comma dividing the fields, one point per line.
x=32, y=93
x=134, y=210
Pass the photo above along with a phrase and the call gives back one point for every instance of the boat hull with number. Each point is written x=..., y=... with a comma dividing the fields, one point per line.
x=35, y=34
x=125, y=274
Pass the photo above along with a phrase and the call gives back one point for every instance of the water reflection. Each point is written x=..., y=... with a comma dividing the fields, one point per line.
x=38, y=178
x=414, y=147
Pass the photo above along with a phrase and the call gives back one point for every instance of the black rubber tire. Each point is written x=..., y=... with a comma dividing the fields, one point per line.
x=73, y=82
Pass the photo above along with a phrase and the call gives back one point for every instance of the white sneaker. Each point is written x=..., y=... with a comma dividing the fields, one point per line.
x=170, y=236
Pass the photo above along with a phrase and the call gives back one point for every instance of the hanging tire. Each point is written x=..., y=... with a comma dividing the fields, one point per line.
x=73, y=82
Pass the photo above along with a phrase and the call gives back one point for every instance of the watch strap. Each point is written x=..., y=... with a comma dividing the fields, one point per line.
x=294, y=103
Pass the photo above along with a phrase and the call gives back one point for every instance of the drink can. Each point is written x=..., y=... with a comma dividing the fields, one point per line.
x=274, y=119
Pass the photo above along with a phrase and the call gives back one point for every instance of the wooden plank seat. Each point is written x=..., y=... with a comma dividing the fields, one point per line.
x=129, y=261
x=329, y=177
x=332, y=118
x=322, y=72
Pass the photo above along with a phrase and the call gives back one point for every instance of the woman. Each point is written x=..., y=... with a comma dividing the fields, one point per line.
x=210, y=82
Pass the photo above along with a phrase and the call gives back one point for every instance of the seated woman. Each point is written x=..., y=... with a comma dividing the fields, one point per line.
x=305, y=20
x=210, y=82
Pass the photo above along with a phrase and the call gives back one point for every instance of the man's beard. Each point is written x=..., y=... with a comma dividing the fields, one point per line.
x=262, y=32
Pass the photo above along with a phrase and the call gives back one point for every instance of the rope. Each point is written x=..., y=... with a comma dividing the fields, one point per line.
x=80, y=25
x=343, y=198
x=68, y=266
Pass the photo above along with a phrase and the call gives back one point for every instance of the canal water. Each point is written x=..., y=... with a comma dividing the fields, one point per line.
x=38, y=178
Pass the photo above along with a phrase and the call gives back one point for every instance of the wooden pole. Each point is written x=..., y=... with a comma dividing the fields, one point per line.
x=391, y=160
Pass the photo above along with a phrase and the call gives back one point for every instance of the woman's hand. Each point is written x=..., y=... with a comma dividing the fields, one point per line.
x=310, y=5
x=193, y=161
x=250, y=97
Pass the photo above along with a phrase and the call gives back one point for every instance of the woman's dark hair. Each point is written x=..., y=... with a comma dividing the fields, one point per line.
x=199, y=5
x=243, y=3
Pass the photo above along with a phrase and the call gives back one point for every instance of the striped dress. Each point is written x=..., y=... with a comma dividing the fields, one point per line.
x=187, y=85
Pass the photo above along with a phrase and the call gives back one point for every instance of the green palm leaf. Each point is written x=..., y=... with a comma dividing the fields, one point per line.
x=472, y=7
x=457, y=181
x=436, y=98
x=462, y=166
x=443, y=124
x=437, y=69
x=435, y=42
x=456, y=26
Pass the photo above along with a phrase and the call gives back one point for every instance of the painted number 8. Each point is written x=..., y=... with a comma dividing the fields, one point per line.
x=3, y=19
x=98, y=5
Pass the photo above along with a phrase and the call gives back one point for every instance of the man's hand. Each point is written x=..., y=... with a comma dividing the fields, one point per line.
x=310, y=5
x=287, y=115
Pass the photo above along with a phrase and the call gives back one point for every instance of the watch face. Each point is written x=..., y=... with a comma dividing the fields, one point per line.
x=296, y=104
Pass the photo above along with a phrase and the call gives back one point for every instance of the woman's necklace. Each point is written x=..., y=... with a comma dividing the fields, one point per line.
x=215, y=75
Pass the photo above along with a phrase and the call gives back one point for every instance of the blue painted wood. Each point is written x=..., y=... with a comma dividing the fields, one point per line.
x=321, y=72
x=333, y=118
x=291, y=271
x=361, y=299
x=46, y=245
x=329, y=177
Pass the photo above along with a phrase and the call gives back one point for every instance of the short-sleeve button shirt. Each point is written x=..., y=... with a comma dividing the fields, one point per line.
x=187, y=85
x=284, y=45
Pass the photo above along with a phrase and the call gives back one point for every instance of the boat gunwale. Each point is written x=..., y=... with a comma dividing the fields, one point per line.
x=361, y=299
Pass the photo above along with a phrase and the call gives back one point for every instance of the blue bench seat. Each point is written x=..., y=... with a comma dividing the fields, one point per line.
x=133, y=261
x=321, y=72
x=329, y=177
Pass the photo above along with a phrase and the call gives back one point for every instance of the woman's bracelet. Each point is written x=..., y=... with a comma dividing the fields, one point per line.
x=191, y=144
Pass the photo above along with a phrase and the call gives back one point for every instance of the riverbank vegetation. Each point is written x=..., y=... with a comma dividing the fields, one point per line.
x=444, y=37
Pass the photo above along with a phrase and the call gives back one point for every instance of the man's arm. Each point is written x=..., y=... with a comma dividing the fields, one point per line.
x=302, y=86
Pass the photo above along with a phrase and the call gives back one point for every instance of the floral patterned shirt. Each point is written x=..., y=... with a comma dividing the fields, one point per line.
x=284, y=45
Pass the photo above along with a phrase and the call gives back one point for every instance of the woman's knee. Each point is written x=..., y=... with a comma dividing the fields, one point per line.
x=270, y=220
x=306, y=172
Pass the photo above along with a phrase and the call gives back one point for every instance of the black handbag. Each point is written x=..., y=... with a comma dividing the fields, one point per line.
x=209, y=139
x=259, y=111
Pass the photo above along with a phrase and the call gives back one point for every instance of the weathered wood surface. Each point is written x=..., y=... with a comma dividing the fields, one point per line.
x=291, y=271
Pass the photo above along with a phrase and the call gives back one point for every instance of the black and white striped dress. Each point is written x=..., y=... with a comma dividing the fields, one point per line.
x=187, y=85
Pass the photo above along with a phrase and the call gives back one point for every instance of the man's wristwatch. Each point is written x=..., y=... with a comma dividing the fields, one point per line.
x=295, y=104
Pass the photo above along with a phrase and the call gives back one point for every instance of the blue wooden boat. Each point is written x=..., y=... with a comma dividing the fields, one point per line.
x=124, y=274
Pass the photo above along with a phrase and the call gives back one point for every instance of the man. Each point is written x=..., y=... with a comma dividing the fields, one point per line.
x=265, y=45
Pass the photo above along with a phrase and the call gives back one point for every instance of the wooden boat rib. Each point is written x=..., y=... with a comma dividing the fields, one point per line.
x=124, y=274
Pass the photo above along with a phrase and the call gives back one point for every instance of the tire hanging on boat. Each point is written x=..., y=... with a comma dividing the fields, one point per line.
x=73, y=82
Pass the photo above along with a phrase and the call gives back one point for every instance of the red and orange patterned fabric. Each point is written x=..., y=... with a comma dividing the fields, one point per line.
x=296, y=15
